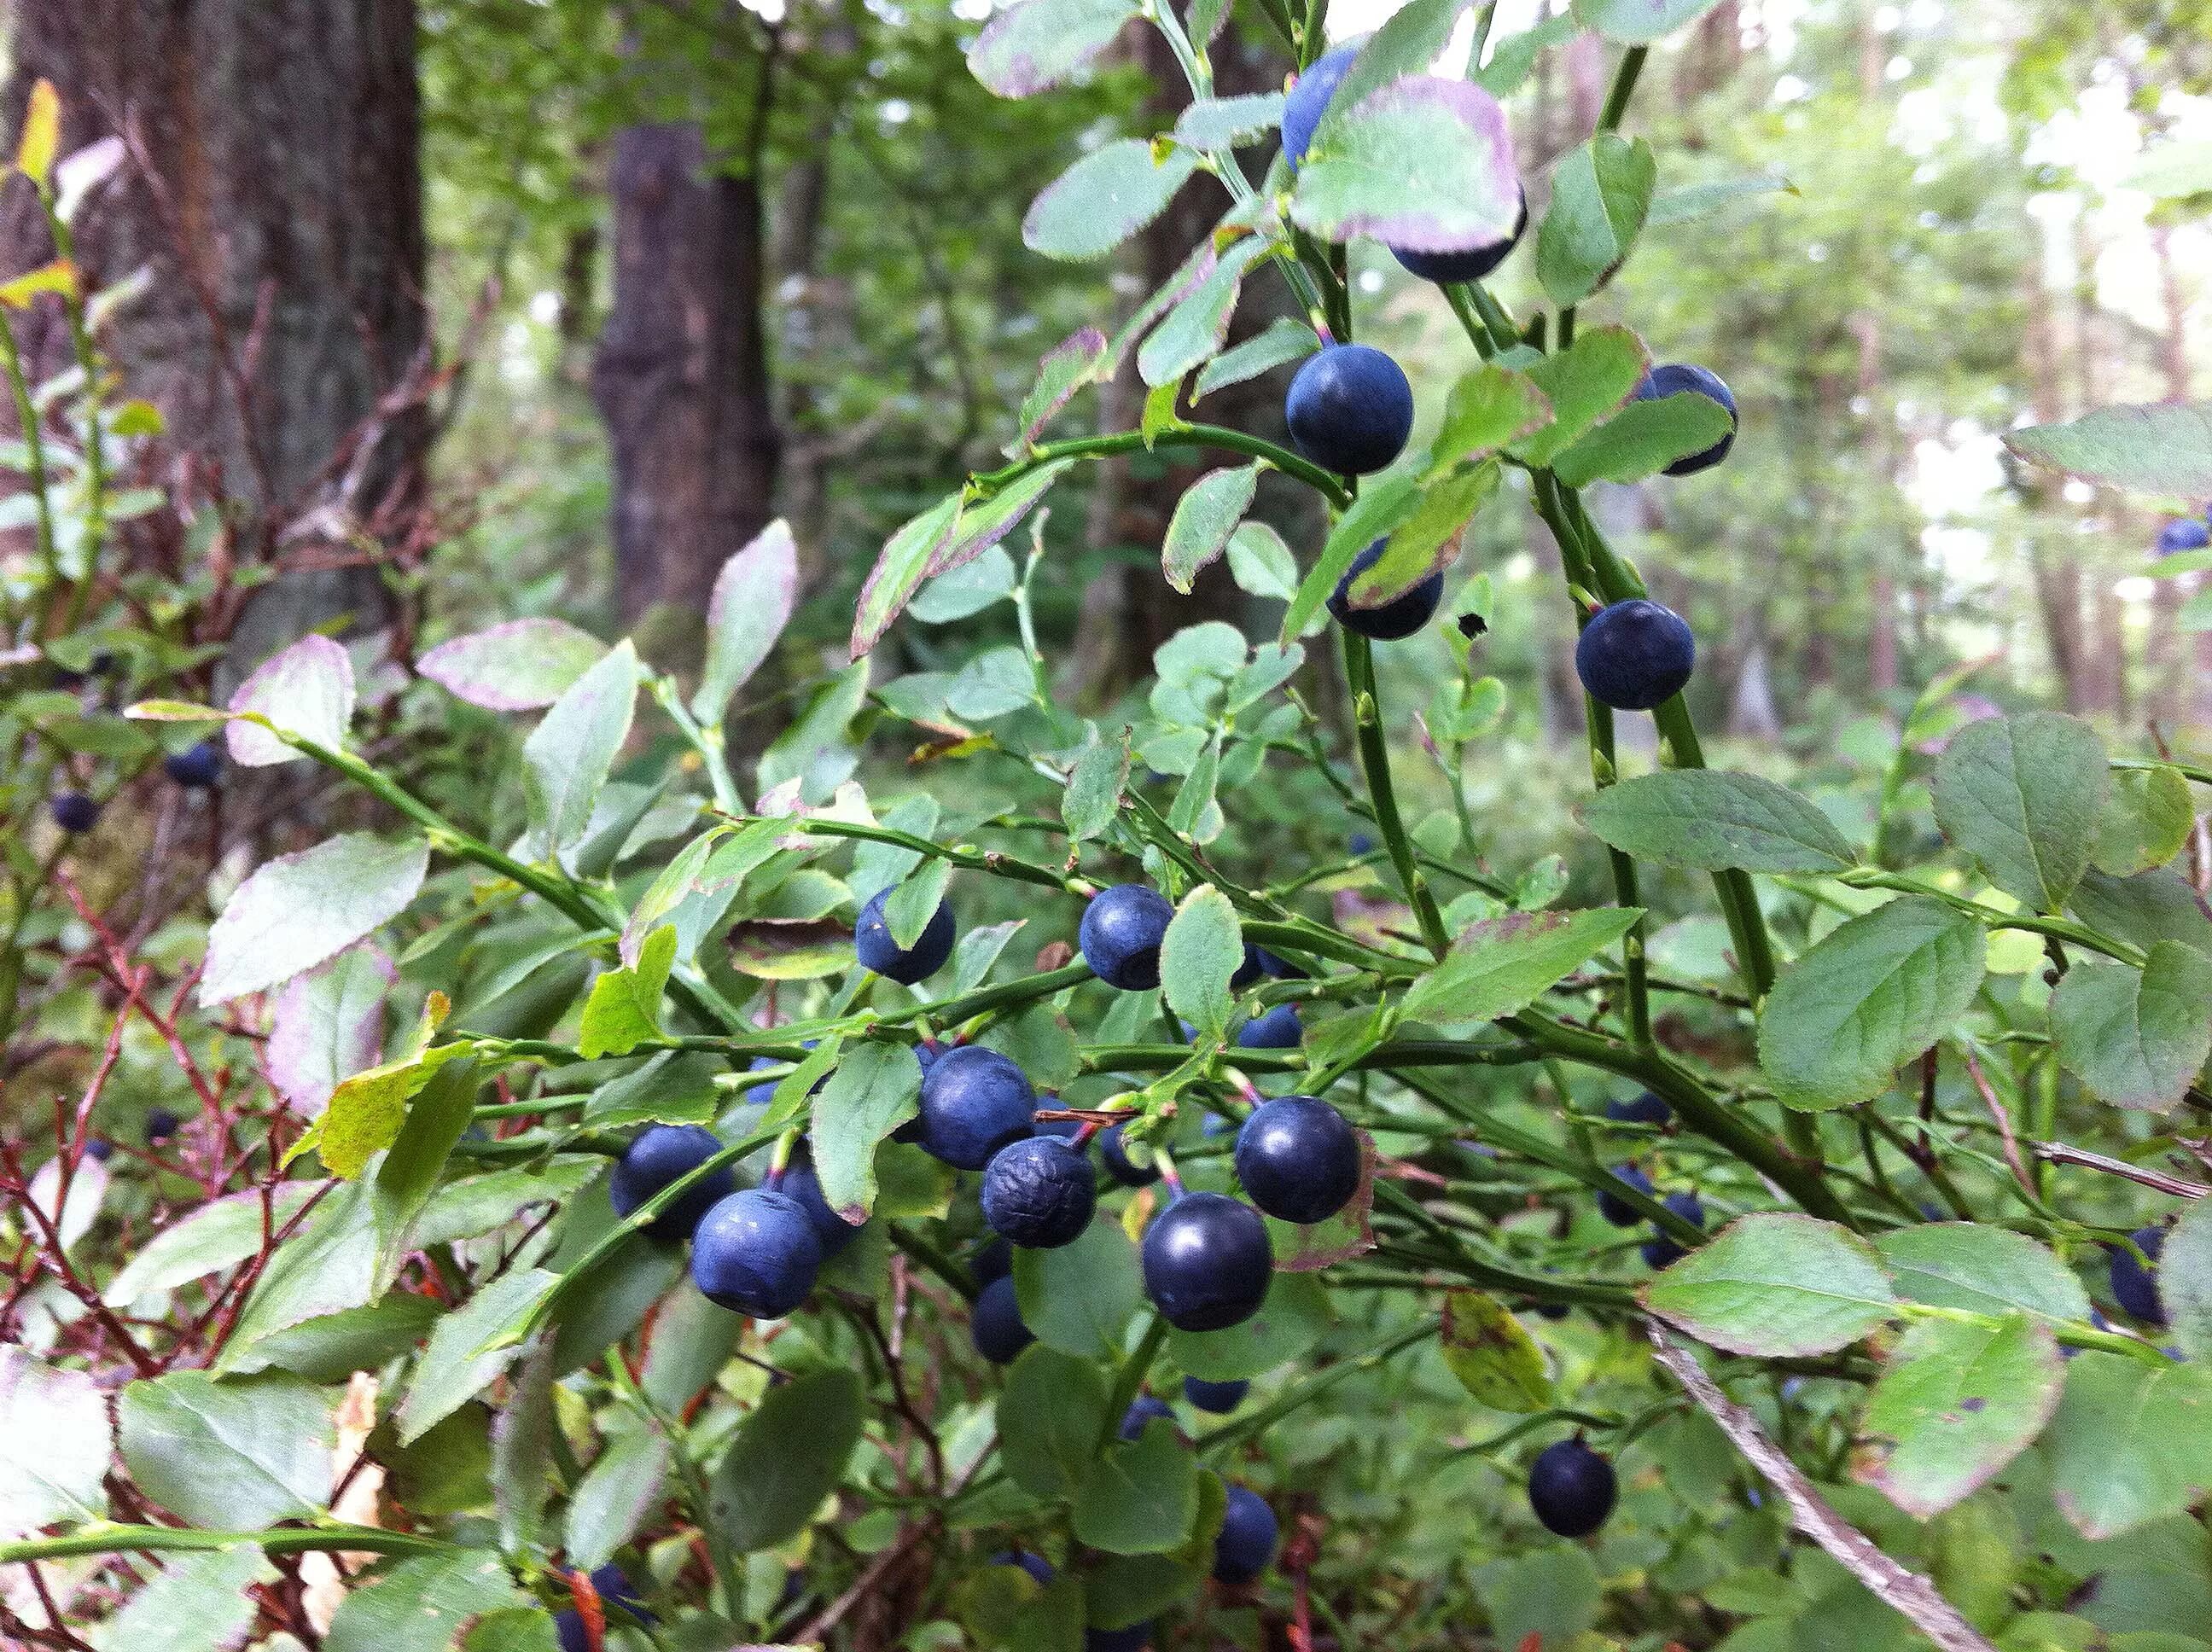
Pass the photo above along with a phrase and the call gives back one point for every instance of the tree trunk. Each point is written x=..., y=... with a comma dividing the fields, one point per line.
x=682, y=379
x=2107, y=676
x=2057, y=577
x=280, y=216
x=2174, y=693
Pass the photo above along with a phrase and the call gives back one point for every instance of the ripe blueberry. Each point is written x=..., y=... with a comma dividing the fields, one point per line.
x=620, y=1604
x=1118, y=1162
x=1673, y=379
x=1443, y=268
x=658, y=1155
x=99, y=1149
x=73, y=811
x=1298, y=1159
x=1361, y=843
x=1646, y=1109
x=1350, y=409
x=1615, y=1209
x=2189, y=533
x=1219, y=1397
x=803, y=1184
x=160, y=1125
x=1258, y=962
x=195, y=767
x=756, y=1254
x=1141, y=1412
x=1402, y=616
x=1634, y=655
x=2133, y=1286
x=1571, y=1489
x=1660, y=1251
x=1039, y=1192
x=1038, y=1568
x=995, y=1322
x=1121, y=935
x=872, y=942
x=1276, y=1030
x=993, y=1261
x=1246, y=1542
x=1309, y=100
x=1118, y=1640
x=1207, y=1263
x=974, y=1102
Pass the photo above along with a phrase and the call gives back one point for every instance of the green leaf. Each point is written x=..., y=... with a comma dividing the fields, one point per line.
x=915, y=902
x=219, y=1234
x=1643, y=439
x=1487, y=409
x=472, y=1346
x=1639, y=22
x=625, y=1007
x=1042, y=43
x=1955, y=1403
x=412, y=1169
x=1283, y=340
x=692, y=1340
x=1584, y=383
x=306, y=690
x=1711, y=820
x=1294, y=1317
x=2132, y=1441
x=522, y=1452
x=787, y=1457
x=328, y=1024
x=568, y=756
x=1382, y=504
x=1071, y=364
x=625, y=1484
x=1874, y=994
x=1513, y=59
x=425, y=1605
x=1777, y=1286
x=54, y=1445
x=1221, y=123
x=2146, y=821
x=902, y=566
x=874, y=1090
x=328, y=1264
x=2022, y=795
x=1427, y=541
x=1409, y=42
x=1548, y=1598
x=2185, y=1279
x=1982, y=1269
x=1681, y=206
x=1052, y=1414
x=1600, y=195
x=299, y=910
x=1495, y=1359
x=195, y=1603
x=2163, y=451
x=1105, y=198
x=1141, y=1496
x=1502, y=965
x=1094, y=788
x=230, y=1455
x=2135, y=1037
x=2144, y=910
x=1204, y=947
x=1204, y=518
x=367, y=1111
x=1078, y=1298
x=750, y=605
x=1193, y=331
x=333, y=1347
x=520, y=666
x=1423, y=163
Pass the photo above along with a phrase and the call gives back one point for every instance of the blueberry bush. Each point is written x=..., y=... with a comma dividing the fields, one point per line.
x=1000, y=1199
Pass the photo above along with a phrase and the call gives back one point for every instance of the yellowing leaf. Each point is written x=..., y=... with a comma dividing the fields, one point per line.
x=42, y=133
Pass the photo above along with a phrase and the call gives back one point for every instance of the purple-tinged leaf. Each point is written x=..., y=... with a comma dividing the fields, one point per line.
x=983, y=524
x=1071, y=364
x=901, y=566
x=517, y=666
x=1425, y=164
x=1204, y=517
x=299, y=910
x=1042, y=43
x=752, y=601
x=328, y=1025
x=306, y=690
x=1193, y=331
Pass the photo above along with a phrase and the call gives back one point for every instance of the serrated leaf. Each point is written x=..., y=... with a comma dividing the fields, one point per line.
x=425, y=1605
x=1587, y=381
x=1283, y=340
x=1643, y=439
x=1094, y=788
x=2135, y=1037
x=625, y=1483
x=1424, y=163
x=1222, y=123
x=873, y=1090
x=2146, y=820
x=1042, y=43
x=1078, y=1298
x=1204, y=518
x=1870, y=997
x=2132, y=1441
x=195, y=1603
x=1067, y=367
x=1502, y=965
x=1203, y=948
x=1261, y=563
x=1105, y=198
x=1775, y=1284
x=1712, y=820
x=1382, y=504
x=1487, y=409
x=1295, y=1315
x=1983, y=1269
x=2022, y=795
x=568, y=756
x=1192, y=333
x=517, y=666
x=327, y=1025
x=1141, y=1495
x=2163, y=450
x=471, y=1346
x=1493, y=1356
x=750, y=605
x=2185, y=1279
x=1600, y=195
x=623, y=1008
x=1427, y=541
x=787, y=1456
x=901, y=566
x=1409, y=43
x=232, y=1455
x=306, y=690
x=299, y=910
x=1955, y=1404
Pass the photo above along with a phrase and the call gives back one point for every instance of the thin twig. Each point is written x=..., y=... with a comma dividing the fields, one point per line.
x=2004, y=1125
x=2058, y=1153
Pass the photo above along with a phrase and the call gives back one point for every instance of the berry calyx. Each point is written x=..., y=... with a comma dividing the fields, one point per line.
x=661, y=1154
x=1402, y=616
x=1207, y=1263
x=1121, y=934
x=1571, y=1489
x=974, y=1102
x=1297, y=1159
x=872, y=942
x=756, y=1254
x=1039, y=1192
x=1636, y=654
x=1350, y=409
x=1676, y=378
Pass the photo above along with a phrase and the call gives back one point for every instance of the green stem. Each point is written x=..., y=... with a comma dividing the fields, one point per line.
x=2065, y=929
x=105, y=1538
x=1623, y=88
x=34, y=458
x=1309, y=1389
x=1129, y=1377
x=972, y=860
x=1375, y=759
x=1181, y=435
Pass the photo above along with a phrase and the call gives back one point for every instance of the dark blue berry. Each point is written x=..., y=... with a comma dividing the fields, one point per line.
x=619, y=1603
x=1660, y=1251
x=658, y=1155
x=2189, y=533
x=1350, y=409
x=1276, y=1028
x=1121, y=935
x=196, y=767
x=756, y=1254
x=1307, y=101
x=995, y=1322
x=73, y=811
x=1259, y=962
x=1297, y=1159
x=974, y=1102
x=1571, y=1489
x=1218, y=1398
x=1038, y=1568
x=160, y=1125
x=2133, y=1286
x=803, y=1184
x=762, y=1094
x=1118, y=1164
x=1646, y=1109
x=872, y=942
x=1443, y=268
x=1246, y=1542
x=1207, y=1263
x=1550, y=1310
x=1142, y=1410
x=993, y=1261
x=1118, y=1640
x=1675, y=378
x=100, y=1149
x=1632, y=655
x=1039, y=1192
x=1617, y=1210
x=1401, y=617
x=1361, y=843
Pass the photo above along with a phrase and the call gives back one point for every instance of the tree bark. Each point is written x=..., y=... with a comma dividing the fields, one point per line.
x=274, y=199
x=682, y=377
